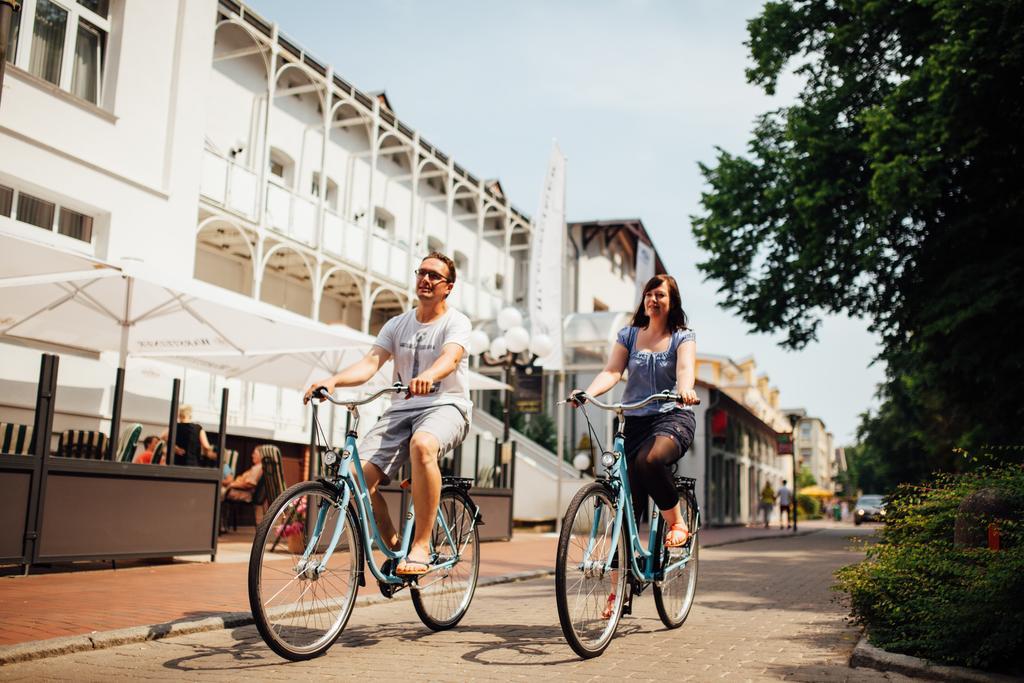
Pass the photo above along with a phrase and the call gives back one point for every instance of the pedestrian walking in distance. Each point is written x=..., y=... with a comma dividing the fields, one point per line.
x=785, y=504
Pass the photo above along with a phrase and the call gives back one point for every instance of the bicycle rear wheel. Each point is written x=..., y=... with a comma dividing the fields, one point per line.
x=674, y=593
x=300, y=608
x=442, y=597
x=585, y=589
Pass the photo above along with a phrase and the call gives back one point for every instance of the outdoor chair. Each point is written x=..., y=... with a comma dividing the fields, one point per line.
x=270, y=486
x=81, y=444
x=126, y=443
x=15, y=439
x=159, y=450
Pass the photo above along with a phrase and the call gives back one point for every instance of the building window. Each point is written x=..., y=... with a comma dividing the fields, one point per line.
x=68, y=40
x=805, y=430
x=74, y=224
x=85, y=82
x=331, y=196
x=12, y=35
x=383, y=222
x=34, y=211
x=48, y=41
x=41, y=213
x=6, y=201
x=277, y=169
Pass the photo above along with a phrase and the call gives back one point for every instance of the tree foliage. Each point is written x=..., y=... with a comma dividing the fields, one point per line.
x=886, y=192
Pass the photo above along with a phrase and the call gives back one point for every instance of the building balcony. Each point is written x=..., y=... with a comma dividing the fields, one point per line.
x=229, y=184
x=291, y=214
x=343, y=239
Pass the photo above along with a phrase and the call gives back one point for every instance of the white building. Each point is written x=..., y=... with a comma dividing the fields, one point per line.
x=196, y=138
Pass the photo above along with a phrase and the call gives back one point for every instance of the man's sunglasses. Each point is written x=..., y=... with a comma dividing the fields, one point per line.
x=430, y=276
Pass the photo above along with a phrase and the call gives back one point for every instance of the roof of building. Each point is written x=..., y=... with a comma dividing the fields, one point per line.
x=632, y=227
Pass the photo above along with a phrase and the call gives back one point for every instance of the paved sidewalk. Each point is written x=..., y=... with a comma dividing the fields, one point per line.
x=764, y=612
x=53, y=605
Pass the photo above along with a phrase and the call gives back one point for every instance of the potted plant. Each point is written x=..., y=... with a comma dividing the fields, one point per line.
x=293, y=528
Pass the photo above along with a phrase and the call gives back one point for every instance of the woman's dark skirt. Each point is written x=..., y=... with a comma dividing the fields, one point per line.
x=678, y=425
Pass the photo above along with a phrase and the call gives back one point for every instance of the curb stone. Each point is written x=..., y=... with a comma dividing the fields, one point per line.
x=868, y=656
x=53, y=647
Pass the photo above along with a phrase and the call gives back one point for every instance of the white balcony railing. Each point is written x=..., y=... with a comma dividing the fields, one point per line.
x=228, y=184
x=342, y=238
x=291, y=214
x=389, y=259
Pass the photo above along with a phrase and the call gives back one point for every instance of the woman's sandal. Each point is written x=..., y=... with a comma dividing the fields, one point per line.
x=609, y=608
x=676, y=536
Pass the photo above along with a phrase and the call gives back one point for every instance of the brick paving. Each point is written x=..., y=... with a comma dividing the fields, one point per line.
x=764, y=611
x=51, y=605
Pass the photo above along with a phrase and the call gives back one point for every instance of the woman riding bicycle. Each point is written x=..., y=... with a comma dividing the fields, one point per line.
x=659, y=351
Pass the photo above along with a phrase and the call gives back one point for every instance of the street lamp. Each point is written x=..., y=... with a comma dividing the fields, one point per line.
x=794, y=420
x=505, y=351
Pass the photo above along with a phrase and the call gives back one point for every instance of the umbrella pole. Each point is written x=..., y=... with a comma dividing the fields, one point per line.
x=115, y=413
x=115, y=416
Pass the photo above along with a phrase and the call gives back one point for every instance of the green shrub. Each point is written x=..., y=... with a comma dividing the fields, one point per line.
x=917, y=594
x=809, y=507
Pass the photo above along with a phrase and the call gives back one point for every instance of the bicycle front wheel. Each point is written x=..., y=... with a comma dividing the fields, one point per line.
x=441, y=597
x=301, y=606
x=674, y=593
x=588, y=591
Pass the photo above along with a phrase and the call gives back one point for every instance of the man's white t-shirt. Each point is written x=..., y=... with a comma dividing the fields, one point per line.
x=785, y=496
x=415, y=346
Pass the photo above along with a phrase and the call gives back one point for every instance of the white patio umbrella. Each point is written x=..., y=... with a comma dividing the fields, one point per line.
x=50, y=297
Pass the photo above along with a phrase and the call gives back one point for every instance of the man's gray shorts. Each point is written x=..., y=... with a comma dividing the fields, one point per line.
x=386, y=445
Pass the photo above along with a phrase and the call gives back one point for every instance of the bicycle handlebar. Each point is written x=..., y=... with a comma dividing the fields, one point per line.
x=662, y=396
x=396, y=388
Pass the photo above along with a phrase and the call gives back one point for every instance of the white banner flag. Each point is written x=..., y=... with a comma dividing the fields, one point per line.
x=547, y=246
x=644, y=267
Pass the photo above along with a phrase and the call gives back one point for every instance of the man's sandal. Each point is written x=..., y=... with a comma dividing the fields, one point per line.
x=412, y=568
x=676, y=536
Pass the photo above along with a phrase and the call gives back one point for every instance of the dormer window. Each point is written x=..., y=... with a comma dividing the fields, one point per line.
x=383, y=222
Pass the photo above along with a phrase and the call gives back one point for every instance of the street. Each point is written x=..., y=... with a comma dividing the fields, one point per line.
x=764, y=611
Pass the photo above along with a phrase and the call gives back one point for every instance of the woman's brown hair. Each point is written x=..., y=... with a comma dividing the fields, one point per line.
x=676, y=314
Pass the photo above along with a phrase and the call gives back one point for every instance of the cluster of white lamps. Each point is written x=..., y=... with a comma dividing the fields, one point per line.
x=514, y=338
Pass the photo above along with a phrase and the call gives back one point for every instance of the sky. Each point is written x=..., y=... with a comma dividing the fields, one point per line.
x=636, y=93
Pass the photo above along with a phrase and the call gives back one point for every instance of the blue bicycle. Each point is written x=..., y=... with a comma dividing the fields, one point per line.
x=307, y=559
x=595, y=564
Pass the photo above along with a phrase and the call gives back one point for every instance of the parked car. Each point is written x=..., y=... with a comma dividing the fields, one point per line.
x=869, y=508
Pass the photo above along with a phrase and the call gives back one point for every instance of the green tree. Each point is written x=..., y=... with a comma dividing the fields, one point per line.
x=886, y=192
x=805, y=478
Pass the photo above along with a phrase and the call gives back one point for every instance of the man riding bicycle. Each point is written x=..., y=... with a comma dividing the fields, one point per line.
x=428, y=345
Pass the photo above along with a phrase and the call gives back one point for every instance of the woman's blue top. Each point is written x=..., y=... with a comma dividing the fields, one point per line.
x=651, y=372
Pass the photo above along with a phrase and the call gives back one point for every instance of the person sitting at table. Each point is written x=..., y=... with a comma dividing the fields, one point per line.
x=148, y=445
x=242, y=487
x=191, y=447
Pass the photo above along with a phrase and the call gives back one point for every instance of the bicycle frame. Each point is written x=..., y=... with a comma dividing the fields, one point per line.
x=345, y=484
x=618, y=477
